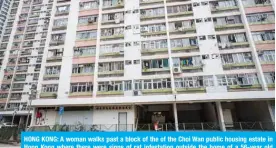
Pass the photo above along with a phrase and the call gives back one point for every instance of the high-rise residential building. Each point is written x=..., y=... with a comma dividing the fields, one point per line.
x=4, y=9
x=123, y=65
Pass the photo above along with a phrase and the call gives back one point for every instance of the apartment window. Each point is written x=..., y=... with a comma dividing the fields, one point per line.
x=60, y=22
x=127, y=85
x=222, y=21
x=270, y=78
x=158, y=44
x=86, y=35
x=236, y=58
x=113, y=17
x=52, y=70
x=128, y=62
x=231, y=38
x=18, y=86
x=84, y=20
x=112, y=31
x=183, y=42
x=241, y=79
x=267, y=56
x=31, y=29
x=3, y=95
x=50, y=88
x=112, y=66
x=81, y=51
x=191, y=61
x=179, y=9
x=181, y=25
x=110, y=86
x=250, y=3
x=58, y=37
x=194, y=82
x=263, y=36
x=224, y=4
x=152, y=12
x=158, y=63
x=113, y=48
x=88, y=5
x=153, y=28
x=83, y=68
x=81, y=87
x=136, y=62
x=110, y=3
x=261, y=17
x=63, y=9
x=156, y=84
x=55, y=53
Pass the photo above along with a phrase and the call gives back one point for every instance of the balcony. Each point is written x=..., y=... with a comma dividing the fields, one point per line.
x=244, y=87
x=54, y=59
x=55, y=28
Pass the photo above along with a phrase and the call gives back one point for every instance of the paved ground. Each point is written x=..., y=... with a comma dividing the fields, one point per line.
x=9, y=145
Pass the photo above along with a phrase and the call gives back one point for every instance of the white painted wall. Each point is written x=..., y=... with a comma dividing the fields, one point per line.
x=73, y=117
x=109, y=119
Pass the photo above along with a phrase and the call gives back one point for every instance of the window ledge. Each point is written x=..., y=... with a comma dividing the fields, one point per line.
x=165, y=90
x=271, y=85
x=238, y=65
x=265, y=42
x=81, y=40
x=155, y=69
x=88, y=9
x=262, y=23
x=268, y=63
x=154, y=50
x=110, y=93
x=82, y=74
x=154, y=33
x=51, y=76
x=83, y=56
x=224, y=9
x=244, y=87
x=48, y=94
x=81, y=94
x=229, y=26
x=184, y=48
x=111, y=72
x=151, y=1
x=111, y=54
x=199, y=89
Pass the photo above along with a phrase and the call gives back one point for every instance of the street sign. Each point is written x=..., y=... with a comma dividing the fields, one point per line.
x=61, y=110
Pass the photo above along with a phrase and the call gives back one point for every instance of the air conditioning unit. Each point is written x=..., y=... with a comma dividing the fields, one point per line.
x=176, y=70
x=137, y=93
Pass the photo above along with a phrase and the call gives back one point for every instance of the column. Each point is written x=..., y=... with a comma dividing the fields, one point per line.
x=220, y=116
x=175, y=116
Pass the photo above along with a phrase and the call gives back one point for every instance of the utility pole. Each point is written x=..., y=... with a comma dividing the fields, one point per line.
x=31, y=96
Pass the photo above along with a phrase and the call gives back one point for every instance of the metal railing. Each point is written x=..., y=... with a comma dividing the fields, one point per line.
x=201, y=126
